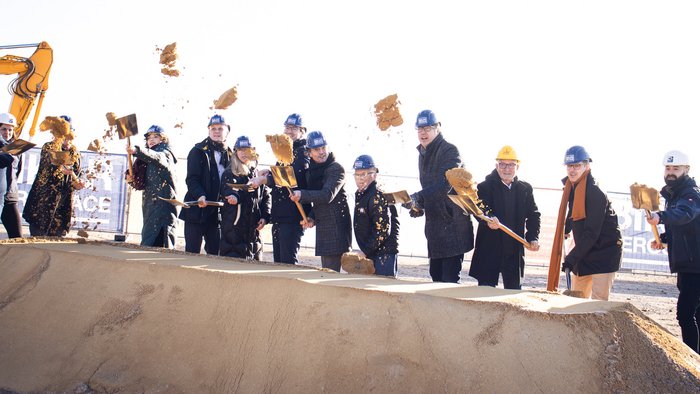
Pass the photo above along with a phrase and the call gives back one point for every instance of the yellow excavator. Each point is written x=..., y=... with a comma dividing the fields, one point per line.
x=31, y=83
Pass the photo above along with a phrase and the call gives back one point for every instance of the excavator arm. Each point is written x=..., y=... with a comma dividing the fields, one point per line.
x=31, y=83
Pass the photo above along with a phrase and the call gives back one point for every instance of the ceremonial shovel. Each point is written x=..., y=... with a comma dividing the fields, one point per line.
x=646, y=198
x=126, y=127
x=284, y=175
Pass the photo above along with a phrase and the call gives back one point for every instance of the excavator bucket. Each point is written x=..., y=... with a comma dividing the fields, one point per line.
x=644, y=197
x=127, y=126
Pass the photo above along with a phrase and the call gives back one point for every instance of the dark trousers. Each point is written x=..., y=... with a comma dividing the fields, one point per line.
x=510, y=271
x=194, y=232
x=286, y=238
x=385, y=264
x=446, y=269
x=331, y=262
x=12, y=220
x=688, y=308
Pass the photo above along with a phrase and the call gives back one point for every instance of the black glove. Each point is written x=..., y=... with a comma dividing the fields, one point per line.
x=416, y=212
x=567, y=264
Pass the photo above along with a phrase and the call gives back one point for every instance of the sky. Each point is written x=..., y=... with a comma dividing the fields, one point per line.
x=621, y=78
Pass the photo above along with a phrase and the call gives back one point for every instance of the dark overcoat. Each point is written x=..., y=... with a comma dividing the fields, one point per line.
x=681, y=220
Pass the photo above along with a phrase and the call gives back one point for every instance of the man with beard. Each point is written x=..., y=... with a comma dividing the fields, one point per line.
x=330, y=213
x=449, y=232
x=597, y=253
x=681, y=219
x=287, y=229
x=512, y=203
x=205, y=165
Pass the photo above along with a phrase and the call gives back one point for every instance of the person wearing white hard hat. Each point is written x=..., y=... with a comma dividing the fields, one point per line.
x=681, y=220
x=10, y=167
x=512, y=203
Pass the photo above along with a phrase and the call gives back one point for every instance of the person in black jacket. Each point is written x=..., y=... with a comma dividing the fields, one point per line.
x=512, y=203
x=10, y=167
x=449, y=232
x=159, y=217
x=375, y=221
x=205, y=166
x=330, y=212
x=245, y=212
x=597, y=252
x=681, y=219
x=287, y=228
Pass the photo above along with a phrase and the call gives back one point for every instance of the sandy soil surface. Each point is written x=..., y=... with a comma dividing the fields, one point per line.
x=95, y=317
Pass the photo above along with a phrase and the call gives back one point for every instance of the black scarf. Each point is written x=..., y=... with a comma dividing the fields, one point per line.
x=218, y=147
x=315, y=172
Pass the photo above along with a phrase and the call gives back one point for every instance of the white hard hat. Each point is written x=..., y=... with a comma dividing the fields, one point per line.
x=7, y=118
x=676, y=158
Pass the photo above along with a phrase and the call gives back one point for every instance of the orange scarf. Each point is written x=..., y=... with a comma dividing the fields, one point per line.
x=578, y=212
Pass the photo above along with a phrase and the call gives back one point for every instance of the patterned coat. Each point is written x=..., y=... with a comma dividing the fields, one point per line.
x=330, y=210
x=158, y=215
x=376, y=223
x=449, y=232
x=50, y=201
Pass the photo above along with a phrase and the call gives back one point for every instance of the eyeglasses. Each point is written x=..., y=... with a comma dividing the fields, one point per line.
x=363, y=175
x=425, y=129
x=503, y=166
x=292, y=128
x=576, y=166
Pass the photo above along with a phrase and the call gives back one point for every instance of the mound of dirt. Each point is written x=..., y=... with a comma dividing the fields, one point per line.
x=94, y=316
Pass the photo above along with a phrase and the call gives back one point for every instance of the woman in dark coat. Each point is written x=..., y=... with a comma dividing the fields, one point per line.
x=49, y=204
x=330, y=212
x=159, y=217
x=245, y=211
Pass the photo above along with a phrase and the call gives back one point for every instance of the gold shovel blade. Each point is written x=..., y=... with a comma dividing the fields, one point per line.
x=399, y=197
x=466, y=203
x=17, y=147
x=284, y=176
x=127, y=126
x=644, y=197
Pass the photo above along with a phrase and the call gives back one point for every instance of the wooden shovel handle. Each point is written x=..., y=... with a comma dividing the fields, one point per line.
x=654, y=229
x=508, y=231
x=128, y=157
x=301, y=210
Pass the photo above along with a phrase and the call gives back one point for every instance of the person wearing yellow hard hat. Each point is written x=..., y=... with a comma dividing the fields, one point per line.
x=681, y=220
x=512, y=203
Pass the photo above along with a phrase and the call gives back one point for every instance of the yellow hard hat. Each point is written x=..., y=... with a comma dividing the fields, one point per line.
x=507, y=153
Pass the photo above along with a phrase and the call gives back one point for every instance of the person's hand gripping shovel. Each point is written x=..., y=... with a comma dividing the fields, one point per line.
x=646, y=198
x=284, y=174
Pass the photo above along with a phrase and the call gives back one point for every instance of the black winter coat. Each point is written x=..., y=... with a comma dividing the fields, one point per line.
x=597, y=238
x=10, y=167
x=49, y=204
x=330, y=209
x=448, y=230
x=158, y=215
x=376, y=223
x=239, y=235
x=493, y=245
x=202, y=180
x=681, y=219
x=285, y=210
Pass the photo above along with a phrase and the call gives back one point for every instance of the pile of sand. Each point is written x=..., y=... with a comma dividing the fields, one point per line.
x=93, y=316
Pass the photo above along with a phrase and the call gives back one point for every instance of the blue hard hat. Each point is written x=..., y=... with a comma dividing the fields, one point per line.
x=217, y=119
x=576, y=154
x=154, y=129
x=294, y=120
x=315, y=140
x=426, y=117
x=363, y=162
x=242, y=142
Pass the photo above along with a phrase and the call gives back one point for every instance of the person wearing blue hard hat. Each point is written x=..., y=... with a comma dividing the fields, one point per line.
x=330, y=214
x=681, y=220
x=205, y=166
x=246, y=210
x=375, y=221
x=449, y=233
x=49, y=205
x=287, y=228
x=155, y=168
x=585, y=211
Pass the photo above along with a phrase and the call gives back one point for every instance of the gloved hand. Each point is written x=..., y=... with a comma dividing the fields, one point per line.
x=567, y=264
x=416, y=212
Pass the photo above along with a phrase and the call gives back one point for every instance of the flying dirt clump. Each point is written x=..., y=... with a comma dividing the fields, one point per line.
x=168, y=56
x=226, y=99
x=387, y=112
x=59, y=127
